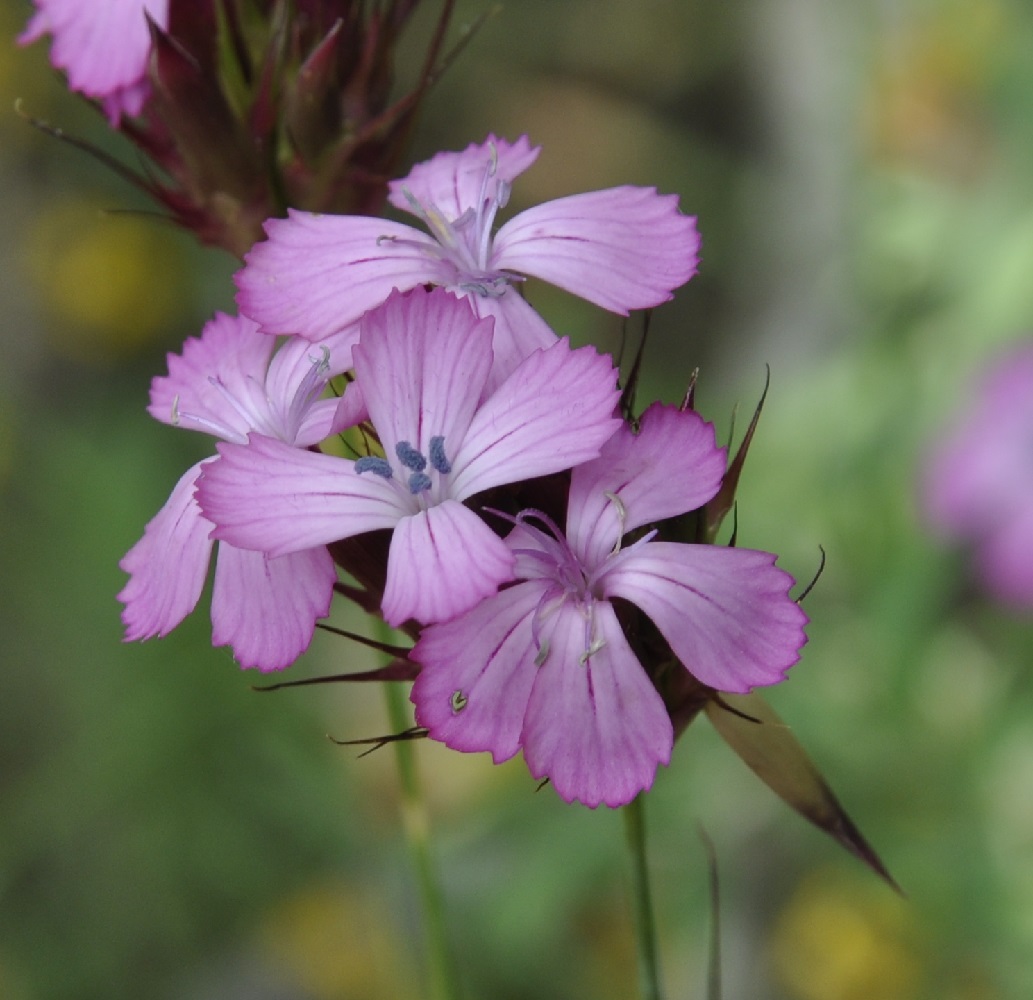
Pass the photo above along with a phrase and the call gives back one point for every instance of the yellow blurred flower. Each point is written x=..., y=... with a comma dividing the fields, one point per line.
x=835, y=942
x=106, y=284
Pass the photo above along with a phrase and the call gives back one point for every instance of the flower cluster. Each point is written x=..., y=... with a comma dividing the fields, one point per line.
x=465, y=433
x=979, y=480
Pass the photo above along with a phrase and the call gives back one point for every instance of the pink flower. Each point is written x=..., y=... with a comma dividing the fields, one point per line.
x=103, y=47
x=623, y=248
x=421, y=368
x=226, y=385
x=544, y=666
x=979, y=481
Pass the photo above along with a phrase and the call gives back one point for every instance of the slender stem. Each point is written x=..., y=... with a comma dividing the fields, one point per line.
x=642, y=904
x=444, y=982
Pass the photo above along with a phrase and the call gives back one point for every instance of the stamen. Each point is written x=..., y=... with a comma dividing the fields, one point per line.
x=542, y=655
x=410, y=457
x=310, y=389
x=438, y=460
x=418, y=482
x=622, y=516
x=458, y=701
x=322, y=363
x=213, y=427
x=373, y=463
x=594, y=648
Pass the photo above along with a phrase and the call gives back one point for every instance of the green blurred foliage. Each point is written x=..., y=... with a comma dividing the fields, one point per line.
x=861, y=175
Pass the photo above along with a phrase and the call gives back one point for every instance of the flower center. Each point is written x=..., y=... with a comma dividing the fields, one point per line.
x=552, y=559
x=258, y=410
x=414, y=465
x=465, y=242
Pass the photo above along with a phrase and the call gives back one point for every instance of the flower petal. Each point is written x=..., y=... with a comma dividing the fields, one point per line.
x=595, y=726
x=102, y=46
x=519, y=332
x=299, y=371
x=726, y=612
x=168, y=565
x=422, y=362
x=623, y=248
x=671, y=466
x=317, y=274
x=555, y=411
x=216, y=384
x=268, y=496
x=477, y=672
x=453, y=182
x=266, y=609
x=442, y=562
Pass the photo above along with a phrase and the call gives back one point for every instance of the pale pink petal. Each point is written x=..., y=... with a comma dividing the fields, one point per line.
x=726, y=612
x=168, y=565
x=555, y=411
x=216, y=385
x=317, y=274
x=298, y=369
x=351, y=409
x=595, y=725
x=422, y=361
x=623, y=248
x=519, y=331
x=268, y=496
x=477, y=672
x=266, y=609
x=103, y=47
x=671, y=466
x=442, y=562
x=453, y=182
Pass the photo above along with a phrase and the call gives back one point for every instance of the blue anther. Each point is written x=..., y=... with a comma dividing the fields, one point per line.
x=371, y=463
x=437, y=456
x=418, y=482
x=410, y=457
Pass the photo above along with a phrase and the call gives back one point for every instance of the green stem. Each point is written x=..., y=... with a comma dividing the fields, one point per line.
x=444, y=983
x=642, y=904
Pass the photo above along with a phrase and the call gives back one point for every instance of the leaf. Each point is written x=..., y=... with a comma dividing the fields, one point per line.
x=751, y=727
x=721, y=503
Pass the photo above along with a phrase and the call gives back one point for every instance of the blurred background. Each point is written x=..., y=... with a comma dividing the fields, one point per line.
x=862, y=177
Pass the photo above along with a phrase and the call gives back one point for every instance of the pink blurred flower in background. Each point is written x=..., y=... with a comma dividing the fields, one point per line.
x=102, y=46
x=978, y=485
